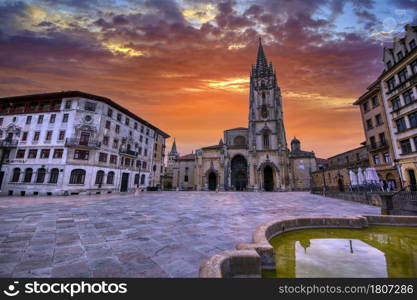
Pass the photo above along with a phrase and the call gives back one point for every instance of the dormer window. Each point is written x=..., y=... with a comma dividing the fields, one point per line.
x=400, y=55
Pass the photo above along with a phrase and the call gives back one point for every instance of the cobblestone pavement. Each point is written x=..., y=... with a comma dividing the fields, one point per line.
x=156, y=234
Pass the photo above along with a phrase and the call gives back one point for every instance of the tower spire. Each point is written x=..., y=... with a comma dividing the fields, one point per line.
x=174, y=148
x=261, y=62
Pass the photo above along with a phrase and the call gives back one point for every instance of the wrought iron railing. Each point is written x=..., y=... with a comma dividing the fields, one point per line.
x=8, y=143
x=128, y=152
x=79, y=142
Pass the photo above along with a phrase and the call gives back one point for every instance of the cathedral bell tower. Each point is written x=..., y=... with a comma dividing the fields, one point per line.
x=266, y=126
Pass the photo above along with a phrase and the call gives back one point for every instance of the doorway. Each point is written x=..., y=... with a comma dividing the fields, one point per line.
x=239, y=176
x=268, y=179
x=212, y=181
x=84, y=138
x=124, y=183
x=341, y=185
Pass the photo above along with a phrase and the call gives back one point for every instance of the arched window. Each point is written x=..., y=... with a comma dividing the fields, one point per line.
x=53, y=178
x=99, y=177
x=77, y=176
x=41, y=175
x=28, y=175
x=264, y=111
x=110, y=178
x=142, y=179
x=266, y=140
x=136, y=179
x=239, y=140
x=16, y=175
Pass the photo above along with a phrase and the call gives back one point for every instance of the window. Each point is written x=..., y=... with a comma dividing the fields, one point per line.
x=20, y=153
x=136, y=181
x=396, y=104
x=145, y=152
x=105, y=140
x=90, y=106
x=45, y=153
x=405, y=146
x=412, y=44
x=127, y=162
x=65, y=118
x=147, y=131
x=40, y=178
x=102, y=157
x=369, y=124
x=52, y=118
x=48, y=135
x=401, y=126
x=61, y=135
x=135, y=126
x=372, y=141
x=81, y=154
x=266, y=140
x=142, y=179
x=141, y=139
x=144, y=165
x=16, y=175
x=402, y=75
x=40, y=119
x=374, y=101
x=412, y=118
x=109, y=112
x=408, y=97
x=365, y=106
x=391, y=83
x=119, y=117
x=387, y=158
x=146, y=141
x=108, y=124
x=53, y=178
x=127, y=121
x=99, y=177
x=28, y=120
x=24, y=136
x=67, y=104
x=115, y=143
x=58, y=153
x=28, y=175
x=110, y=178
x=400, y=55
x=378, y=120
x=382, y=139
x=77, y=176
x=138, y=164
x=33, y=153
x=389, y=64
x=140, y=150
x=185, y=178
x=117, y=128
x=113, y=159
x=413, y=66
x=377, y=160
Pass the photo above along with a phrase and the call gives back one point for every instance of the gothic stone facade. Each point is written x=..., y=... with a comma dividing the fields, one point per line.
x=255, y=158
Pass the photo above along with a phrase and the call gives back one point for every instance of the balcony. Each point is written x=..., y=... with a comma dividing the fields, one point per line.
x=377, y=146
x=77, y=142
x=128, y=152
x=8, y=143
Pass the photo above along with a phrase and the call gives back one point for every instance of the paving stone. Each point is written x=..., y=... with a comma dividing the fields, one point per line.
x=159, y=234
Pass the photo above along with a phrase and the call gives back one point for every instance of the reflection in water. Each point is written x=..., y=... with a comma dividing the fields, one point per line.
x=378, y=251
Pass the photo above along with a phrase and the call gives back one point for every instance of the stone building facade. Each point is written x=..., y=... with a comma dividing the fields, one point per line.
x=398, y=84
x=378, y=138
x=334, y=173
x=253, y=158
x=74, y=143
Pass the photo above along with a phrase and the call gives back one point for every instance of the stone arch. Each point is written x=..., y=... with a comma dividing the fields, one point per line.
x=271, y=181
x=212, y=178
x=239, y=172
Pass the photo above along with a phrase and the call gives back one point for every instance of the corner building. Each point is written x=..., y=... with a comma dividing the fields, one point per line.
x=75, y=143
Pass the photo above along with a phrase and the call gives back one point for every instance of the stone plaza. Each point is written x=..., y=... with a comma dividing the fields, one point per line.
x=154, y=234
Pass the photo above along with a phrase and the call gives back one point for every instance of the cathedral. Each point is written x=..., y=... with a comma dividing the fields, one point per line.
x=255, y=158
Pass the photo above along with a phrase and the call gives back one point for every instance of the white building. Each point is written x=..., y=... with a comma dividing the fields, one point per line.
x=75, y=143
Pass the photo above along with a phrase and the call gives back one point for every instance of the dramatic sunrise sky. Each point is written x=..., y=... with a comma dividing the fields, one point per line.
x=183, y=65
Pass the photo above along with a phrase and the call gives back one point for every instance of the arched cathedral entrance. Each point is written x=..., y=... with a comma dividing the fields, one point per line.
x=268, y=179
x=239, y=174
x=212, y=181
